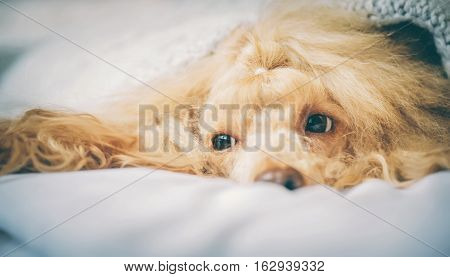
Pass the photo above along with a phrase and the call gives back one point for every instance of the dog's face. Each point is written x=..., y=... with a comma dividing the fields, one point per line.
x=268, y=119
x=303, y=98
x=261, y=128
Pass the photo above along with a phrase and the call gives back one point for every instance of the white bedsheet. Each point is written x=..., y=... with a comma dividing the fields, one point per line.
x=119, y=212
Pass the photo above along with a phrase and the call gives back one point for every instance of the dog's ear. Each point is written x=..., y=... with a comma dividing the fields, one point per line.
x=419, y=42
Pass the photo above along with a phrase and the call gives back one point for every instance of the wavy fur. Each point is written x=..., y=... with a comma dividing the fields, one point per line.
x=391, y=111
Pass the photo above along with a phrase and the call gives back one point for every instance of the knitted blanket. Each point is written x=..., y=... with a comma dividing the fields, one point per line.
x=433, y=15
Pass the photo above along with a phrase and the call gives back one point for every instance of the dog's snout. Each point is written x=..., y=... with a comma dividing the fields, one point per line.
x=287, y=177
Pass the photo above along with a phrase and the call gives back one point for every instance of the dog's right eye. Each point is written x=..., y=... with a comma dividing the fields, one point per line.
x=223, y=141
x=318, y=123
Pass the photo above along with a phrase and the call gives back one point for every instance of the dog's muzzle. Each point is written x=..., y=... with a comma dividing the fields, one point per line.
x=287, y=177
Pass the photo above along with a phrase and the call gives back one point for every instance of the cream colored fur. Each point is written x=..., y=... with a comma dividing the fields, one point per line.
x=391, y=111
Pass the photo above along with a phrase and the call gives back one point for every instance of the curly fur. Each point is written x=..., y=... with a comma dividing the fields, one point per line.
x=390, y=109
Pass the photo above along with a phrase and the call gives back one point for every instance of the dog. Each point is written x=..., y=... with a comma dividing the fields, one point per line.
x=340, y=100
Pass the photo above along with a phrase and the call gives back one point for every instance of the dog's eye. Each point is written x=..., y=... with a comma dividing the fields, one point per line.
x=223, y=141
x=318, y=123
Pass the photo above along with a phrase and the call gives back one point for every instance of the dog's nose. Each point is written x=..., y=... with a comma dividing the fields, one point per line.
x=287, y=177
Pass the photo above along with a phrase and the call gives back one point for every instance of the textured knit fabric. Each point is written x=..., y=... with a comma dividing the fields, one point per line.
x=433, y=15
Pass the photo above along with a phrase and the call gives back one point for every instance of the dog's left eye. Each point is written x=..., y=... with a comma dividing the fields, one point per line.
x=318, y=123
x=223, y=141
